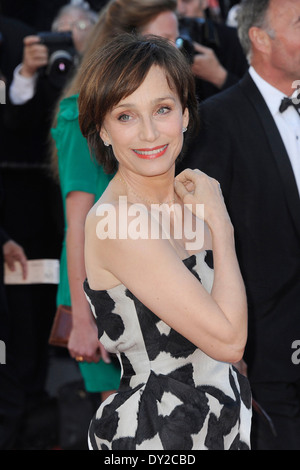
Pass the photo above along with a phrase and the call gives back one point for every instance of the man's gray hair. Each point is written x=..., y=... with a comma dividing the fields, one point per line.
x=252, y=13
x=82, y=7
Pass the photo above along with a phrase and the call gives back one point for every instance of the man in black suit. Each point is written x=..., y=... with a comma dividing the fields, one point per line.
x=250, y=142
x=11, y=395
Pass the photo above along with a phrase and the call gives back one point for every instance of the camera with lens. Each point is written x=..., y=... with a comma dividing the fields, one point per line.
x=200, y=30
x=62, y=55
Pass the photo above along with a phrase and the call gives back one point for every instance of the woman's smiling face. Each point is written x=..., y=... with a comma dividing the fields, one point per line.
x=145, y=128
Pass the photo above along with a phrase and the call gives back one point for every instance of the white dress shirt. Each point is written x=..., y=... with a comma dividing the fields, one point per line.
x=22, y=88
x=288, y=122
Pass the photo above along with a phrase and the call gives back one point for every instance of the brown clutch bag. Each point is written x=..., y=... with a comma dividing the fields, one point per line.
x=61, y=328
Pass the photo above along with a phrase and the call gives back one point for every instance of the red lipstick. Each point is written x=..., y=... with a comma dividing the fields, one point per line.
x=150, y=154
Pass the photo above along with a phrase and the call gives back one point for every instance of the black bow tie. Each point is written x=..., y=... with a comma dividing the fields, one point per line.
x=287, y=102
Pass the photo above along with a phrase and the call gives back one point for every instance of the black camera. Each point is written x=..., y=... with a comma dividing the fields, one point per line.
x=62, y=55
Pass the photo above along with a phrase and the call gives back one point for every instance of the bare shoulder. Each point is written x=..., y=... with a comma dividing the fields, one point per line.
x=117, y=231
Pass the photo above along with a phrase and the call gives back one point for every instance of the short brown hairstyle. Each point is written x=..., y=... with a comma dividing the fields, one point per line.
x=115, y=71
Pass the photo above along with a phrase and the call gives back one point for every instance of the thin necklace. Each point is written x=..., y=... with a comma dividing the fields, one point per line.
x=148, y=201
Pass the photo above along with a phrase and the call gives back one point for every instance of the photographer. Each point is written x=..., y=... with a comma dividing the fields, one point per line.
x=218, y=60
x=75, y=19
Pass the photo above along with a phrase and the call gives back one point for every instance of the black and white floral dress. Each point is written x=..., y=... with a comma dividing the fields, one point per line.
x=172, y=396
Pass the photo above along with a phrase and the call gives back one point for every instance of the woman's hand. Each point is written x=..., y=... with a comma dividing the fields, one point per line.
x=84, y=344
x=207, y=66
x=13, y=252
x=195, y=187
x=35, y=56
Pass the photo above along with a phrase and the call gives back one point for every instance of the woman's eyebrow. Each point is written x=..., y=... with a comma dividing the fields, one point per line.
x=157, y=100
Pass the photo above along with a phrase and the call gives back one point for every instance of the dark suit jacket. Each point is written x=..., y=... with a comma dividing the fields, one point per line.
x=239, y=145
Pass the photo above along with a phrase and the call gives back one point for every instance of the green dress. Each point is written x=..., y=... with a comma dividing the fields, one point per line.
x=79, y=172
